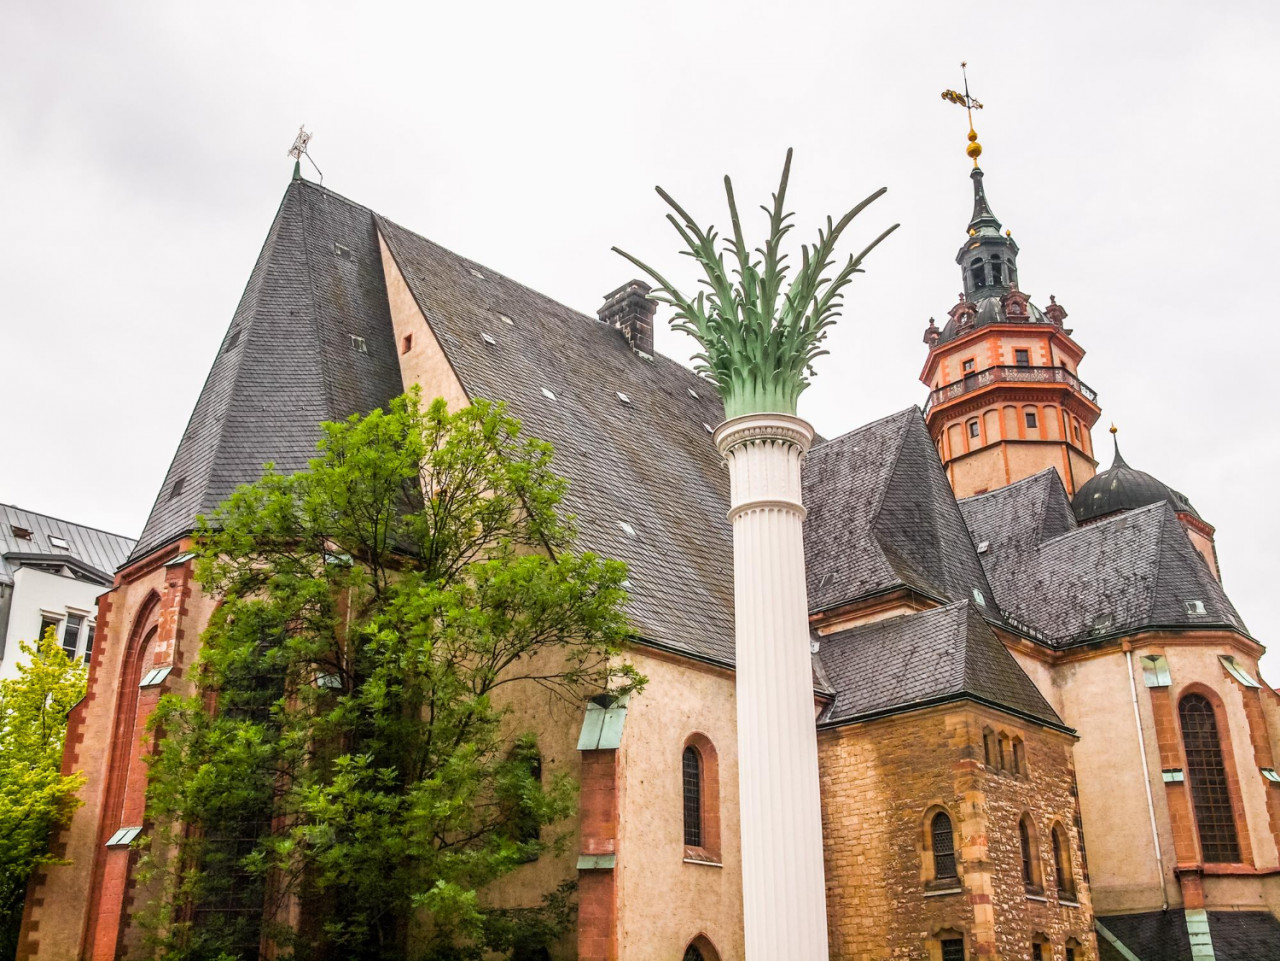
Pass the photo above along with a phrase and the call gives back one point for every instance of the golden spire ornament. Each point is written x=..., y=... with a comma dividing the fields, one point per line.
x=966, y=100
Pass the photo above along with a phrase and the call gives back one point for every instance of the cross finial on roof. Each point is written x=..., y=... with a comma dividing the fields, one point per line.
x=970, y=104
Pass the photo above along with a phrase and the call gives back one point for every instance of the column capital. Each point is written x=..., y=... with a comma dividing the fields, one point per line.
x=750, y=428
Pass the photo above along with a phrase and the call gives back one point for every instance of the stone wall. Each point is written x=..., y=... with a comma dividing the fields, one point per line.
x=882, y=782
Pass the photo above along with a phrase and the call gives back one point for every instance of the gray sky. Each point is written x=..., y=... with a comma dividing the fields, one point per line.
x=1131, y=148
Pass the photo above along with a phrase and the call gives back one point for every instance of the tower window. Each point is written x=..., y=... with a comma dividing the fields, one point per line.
x=692, y=797
x=1062, y=864
x=1031, y=418
x=996, y=278
x=1030, y=855
x=1210, y=796
x=1019, y=761
x=968, y=366
x=1022, y=357
x=973, y=428
x=977, y=273
x=944, y=847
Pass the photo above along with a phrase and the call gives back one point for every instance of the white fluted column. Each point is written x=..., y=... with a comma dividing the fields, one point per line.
x=783, y=883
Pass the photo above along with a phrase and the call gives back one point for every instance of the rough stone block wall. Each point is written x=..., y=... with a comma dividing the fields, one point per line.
x=879, y=781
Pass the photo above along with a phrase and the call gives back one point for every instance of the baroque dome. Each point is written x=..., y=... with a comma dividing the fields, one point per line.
x=1121, y=488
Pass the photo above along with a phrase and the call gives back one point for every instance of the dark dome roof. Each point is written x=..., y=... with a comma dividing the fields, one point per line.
x=1121, y=488
x=991, y=311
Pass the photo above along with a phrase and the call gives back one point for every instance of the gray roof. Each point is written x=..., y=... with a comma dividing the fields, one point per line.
x=934, y=656
x=286, y=362
x=1237, y=936
x=1121, y=488
x=648, y=463
x=94, y=554
x=990, y=310
x=1072, y=583
x=882, y=515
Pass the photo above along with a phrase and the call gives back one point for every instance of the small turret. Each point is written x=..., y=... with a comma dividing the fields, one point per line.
x=988, y=259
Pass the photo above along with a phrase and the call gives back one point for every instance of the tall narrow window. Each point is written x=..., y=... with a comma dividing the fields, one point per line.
x=1037, y=951
x=978, y=274
x=1019, y=758
x=989, y=747
x=692, y=797
x=71, y=635
x=88, y=642
x=953, y=949
x=1030, y=855
x=973, y=428
x=944, y=847
x=1062, y=864
x=1215, y=818
x=1031, y=418
x=996, y=275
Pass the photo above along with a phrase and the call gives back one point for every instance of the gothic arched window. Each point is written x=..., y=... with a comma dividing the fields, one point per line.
x=692, y=797
x=1210, y=796
x=977, y=273
x=1062, y=864
x=1030, y=854
x=944, y=846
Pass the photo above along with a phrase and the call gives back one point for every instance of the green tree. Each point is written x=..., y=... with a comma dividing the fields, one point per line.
x=35, y=797
x=349, y=774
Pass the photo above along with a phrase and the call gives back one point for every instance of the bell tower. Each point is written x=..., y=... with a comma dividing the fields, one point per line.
x=1005, y=400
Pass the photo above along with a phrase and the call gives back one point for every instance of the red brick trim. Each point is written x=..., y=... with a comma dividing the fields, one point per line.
x=598, y=830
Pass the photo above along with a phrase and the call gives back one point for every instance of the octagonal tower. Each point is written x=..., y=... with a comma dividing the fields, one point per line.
x=1005, y=400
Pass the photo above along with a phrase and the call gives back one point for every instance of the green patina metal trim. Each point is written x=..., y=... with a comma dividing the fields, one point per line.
x=759, y=334
x=602, y=724
x=597, y=862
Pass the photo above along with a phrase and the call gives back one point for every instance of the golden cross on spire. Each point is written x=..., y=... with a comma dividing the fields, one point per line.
x=970, y=104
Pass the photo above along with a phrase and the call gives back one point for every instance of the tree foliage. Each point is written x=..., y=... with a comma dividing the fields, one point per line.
x=759, y=334
x=35, y=797
x=345, y=778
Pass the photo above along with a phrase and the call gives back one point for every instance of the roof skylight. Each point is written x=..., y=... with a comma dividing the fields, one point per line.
x=693, y=393
x=979, y=598
x=476, y=274
x=984, y=546
x=623, y=397
x=59, y=542
x=547, y=394
x=358, y=344
x=488, y=340
x=627, y=528
x=710, y=429
x=506, y=320
x=1194, y=607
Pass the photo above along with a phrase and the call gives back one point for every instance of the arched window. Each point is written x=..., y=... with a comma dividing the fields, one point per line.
x=692, y=798
x=996, y=277
x=1019, y=757
x=989, y=746
x=1030, y=854
x=977, y=273
x=1215, y=817
x=944, y=847
x=701, y=949
x=1062, y=864
x=1003, y=751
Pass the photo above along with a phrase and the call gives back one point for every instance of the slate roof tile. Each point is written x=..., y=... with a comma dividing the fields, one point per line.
x=917, y=659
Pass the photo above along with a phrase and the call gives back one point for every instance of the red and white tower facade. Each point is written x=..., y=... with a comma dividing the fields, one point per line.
x=1005, y=397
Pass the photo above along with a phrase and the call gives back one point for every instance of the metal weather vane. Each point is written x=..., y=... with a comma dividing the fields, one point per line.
x=970, y=104
x=299, y=150
x=759, y=335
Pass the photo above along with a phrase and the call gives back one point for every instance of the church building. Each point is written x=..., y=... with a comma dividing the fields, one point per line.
x=1041, y=730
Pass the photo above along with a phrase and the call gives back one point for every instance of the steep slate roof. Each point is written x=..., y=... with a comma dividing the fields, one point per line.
x=648, y=463
x=286, y=362
x=98, y=552
x=943, y=654
x=882, y=515
x=1121, y=488
x=1070, y=583
x=1162, y=936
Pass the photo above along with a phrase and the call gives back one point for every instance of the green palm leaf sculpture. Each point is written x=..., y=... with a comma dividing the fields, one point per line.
x=759, y=334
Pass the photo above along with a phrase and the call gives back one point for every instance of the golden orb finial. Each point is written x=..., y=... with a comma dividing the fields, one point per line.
x=1114, y=428
x=966, y=100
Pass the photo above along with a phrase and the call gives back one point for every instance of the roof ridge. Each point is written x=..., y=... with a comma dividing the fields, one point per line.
x=871, y=423
x=1101, y=522
x=63, y=520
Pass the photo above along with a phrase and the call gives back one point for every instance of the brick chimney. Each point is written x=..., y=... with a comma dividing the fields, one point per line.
x=629, y=309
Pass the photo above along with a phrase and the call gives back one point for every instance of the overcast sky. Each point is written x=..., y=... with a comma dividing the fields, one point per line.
x=1131, y=148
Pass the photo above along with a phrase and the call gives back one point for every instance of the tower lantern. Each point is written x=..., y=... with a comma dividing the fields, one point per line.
x=1005, y=398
